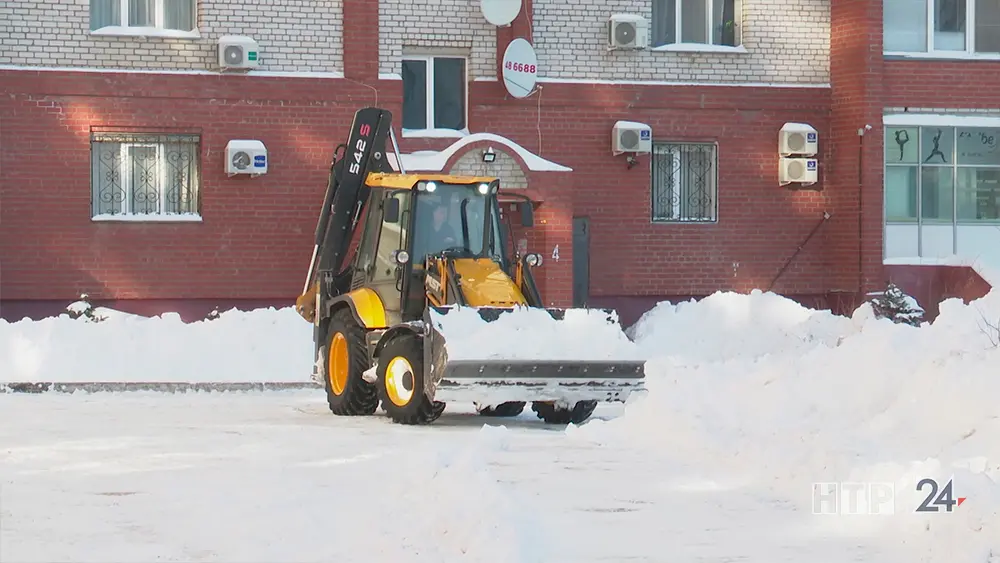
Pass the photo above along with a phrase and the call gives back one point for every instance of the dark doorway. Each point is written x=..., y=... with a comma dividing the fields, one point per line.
x=581, y=261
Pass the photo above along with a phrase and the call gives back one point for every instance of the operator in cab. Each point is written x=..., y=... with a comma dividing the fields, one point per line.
x=433, y=231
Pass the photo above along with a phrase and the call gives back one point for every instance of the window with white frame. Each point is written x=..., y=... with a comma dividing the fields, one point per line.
x=942, y=174
x=711, y=22
x=178, y=15
x=144, y=175
x=944, y=27
x=434, y=92
x=685, y=182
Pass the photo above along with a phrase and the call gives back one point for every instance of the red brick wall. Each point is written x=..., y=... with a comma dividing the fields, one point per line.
x=760, y=223
x=361, y=40
x=930, y=285
x=856, y=100
x=257, y=233
x=942, y=84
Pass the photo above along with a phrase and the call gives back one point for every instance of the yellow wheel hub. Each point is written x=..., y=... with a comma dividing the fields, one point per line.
x=399, y=381
x=337, y=366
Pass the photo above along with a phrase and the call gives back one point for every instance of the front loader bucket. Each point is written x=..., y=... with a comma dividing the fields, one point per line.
x=491, y=355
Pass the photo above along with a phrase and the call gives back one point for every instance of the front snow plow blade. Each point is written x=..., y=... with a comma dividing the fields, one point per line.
x=492, y=355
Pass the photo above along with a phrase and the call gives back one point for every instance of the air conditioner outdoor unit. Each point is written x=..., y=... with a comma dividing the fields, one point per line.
x=798, y=139
x=629, y=136
x=627, y=31
x=246, y=157
x=238, y=52
x=804, y=171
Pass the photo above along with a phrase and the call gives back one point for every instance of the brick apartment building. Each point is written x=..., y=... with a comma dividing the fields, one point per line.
x=116, y=117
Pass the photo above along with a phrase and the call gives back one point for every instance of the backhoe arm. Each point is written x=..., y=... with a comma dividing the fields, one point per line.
x=345, y=196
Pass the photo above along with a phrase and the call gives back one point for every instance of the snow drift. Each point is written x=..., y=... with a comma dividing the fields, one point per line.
x=266, y=345
x=754, y=392
x=781, y=396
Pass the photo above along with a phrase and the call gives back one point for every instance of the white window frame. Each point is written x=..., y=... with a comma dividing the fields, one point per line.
x=920, y=120
x=156, y=30
x=675, y=208
x=429, y=130
x=933, y=53
x=126, y=175
x=679, y=45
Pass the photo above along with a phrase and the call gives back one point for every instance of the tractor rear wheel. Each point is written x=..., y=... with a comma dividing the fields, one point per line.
x=553, y=414
x=401, y=382
x=347, y=393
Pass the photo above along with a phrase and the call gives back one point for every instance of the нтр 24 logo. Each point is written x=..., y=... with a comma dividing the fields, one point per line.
x=935, y=499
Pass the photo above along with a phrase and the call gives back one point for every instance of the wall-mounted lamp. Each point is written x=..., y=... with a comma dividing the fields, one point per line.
x=489, y=155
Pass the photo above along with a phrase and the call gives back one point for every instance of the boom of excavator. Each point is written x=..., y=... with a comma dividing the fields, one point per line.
x=422, y=314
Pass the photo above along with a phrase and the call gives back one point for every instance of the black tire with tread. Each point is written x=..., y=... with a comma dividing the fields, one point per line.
x=551, y=414
x=420, y=409
x=359, y=398
x=508, y=409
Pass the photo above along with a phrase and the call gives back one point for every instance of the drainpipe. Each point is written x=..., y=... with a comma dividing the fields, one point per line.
x=861, y=183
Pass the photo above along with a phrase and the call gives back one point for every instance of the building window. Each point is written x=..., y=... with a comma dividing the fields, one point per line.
x=941, y=26
x=434, y=93
x=179, y=15
x=685, y=182
x=144, y=175
x=942, y=174
x=712, y=22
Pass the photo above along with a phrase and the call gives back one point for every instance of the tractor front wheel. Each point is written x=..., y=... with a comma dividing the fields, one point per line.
x=401, y=382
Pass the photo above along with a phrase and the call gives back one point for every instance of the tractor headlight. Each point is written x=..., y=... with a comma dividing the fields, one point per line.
x=484, y=188
x=402, y=257
x=533, y=260
x=431, y=186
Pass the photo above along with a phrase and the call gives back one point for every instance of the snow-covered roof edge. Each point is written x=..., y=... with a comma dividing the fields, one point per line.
x=435, y=161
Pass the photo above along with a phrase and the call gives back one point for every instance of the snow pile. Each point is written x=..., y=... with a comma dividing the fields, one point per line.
x=266, y=345
x=533, y=334
x=778, y=397
x=726, y=326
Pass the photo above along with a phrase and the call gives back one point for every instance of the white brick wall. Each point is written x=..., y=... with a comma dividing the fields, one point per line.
x=455, y=25
x=504, y=167
x=786, y=42
x=294, y=36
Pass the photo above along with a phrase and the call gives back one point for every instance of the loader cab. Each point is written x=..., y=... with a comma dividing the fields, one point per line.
x=460, y=220
x=411, y=217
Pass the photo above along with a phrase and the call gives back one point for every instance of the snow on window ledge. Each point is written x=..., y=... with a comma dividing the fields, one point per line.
x=148, y=218
x=699, y=48
x=122, y=31
x=943, y=55
x=436, y=133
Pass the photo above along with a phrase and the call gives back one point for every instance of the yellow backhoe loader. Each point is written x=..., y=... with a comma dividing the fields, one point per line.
x=430, y=308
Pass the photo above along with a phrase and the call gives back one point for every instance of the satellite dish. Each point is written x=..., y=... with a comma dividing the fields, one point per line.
x=500, y=12
x=520, y=68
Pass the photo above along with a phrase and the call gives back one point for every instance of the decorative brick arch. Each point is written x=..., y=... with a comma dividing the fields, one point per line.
x=507, y=165
x=441, y=161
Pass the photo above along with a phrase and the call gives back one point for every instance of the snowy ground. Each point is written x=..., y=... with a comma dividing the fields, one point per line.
x=751, y=400
x=272, y=477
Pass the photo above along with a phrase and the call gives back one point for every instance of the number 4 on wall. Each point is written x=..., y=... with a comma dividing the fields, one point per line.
x=945, y=498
